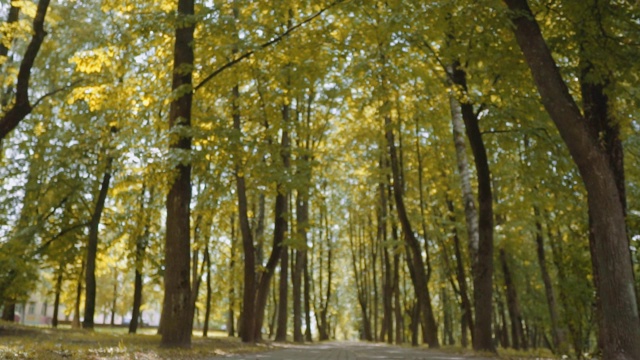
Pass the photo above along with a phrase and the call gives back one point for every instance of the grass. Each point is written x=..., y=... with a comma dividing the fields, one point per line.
x=23, y=342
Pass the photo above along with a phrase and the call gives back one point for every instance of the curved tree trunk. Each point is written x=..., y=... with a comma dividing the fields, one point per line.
x=620, y=324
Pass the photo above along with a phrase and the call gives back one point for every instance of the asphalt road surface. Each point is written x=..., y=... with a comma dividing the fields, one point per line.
x=349, y=351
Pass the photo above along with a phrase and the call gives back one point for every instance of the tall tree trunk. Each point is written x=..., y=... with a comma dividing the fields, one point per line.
x=397, y=305
x=92, y=247
x=141, y=247
x=207, y=312
x=461, y=277
x=75, y=323
x=470, y=212
x=248, y=314
x=620, y=324
x=322, y=314
x=307, y=299
x=177, y=294
x=115, y=299
x=58, y=291
x=231, y=331
x=356, y=247
x=279, y=232
x=302, y=222
x=387, y=283
x=420, y=281
x=548, y=285
x=517, y=331
x=283, y=303
x=483, y=266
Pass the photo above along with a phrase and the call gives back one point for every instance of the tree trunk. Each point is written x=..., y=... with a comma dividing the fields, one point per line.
x=420, y=281
x=141, y=248
x=307, y=299
x=302, y=222
x=8, y=311
x=397, y=305
x=283, y=303
x=620, y=325
x=56, y=301
x=279, y=232
x=322, y=313
x=207, y=313
x=231, y=331
x=92, y=247
x=75, y=323
x=461, y=277
x=483, y=266
x=548, y=285
x=517, y=331
x=387, y=283
x=177, y=294
x=115, y=299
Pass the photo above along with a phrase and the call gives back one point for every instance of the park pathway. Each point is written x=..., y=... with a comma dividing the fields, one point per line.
x=349, y=351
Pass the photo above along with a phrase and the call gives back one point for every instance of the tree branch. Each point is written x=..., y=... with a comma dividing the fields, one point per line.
x=21, y=108
x=265, y=45
x=55, y=91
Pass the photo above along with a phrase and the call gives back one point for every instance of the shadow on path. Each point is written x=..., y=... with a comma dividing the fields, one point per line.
x=350, y=351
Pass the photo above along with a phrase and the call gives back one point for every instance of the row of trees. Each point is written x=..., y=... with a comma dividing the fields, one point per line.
x=305, y=159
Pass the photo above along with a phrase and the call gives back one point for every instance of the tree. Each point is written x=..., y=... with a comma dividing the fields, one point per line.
x=177, y=298
x=620, y=325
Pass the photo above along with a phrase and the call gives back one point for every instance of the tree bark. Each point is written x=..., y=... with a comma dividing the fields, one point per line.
x=620, y=325
x=471, y=217
x=8, y=311
x=247, y=330
x=283, y=303
x=483, y=269
x=207, y=312
x=307, y=299
x=56, y=301
x=92, y=248
x=231, y=331
x=302, y=220
x=141, y=247
x=279, y=232
x=177, y=296
x=22, y=105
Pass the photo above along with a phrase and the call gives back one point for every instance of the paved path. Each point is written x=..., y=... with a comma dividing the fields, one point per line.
x=349, y=351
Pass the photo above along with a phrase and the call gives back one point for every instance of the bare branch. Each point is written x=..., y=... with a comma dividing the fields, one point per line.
x=53, y=92
x=265, y=45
